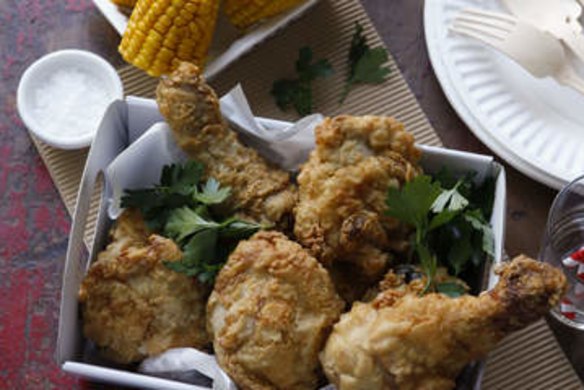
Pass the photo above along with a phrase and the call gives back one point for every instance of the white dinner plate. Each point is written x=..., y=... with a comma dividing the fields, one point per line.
x=536, y=125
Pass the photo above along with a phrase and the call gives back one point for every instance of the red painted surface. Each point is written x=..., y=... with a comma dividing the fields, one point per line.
x=34, y=224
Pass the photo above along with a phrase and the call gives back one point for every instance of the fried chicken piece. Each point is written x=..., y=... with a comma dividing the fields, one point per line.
x=133, y=305
x=270, y=312
x=130, y=230
x=410, y=342
x=342, y=191
x=258, y=190
x=409, y=280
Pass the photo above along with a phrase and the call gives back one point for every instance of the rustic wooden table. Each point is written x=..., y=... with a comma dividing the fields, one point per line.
x=34, y=227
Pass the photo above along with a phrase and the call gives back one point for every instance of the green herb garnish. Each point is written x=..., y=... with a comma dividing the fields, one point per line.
x=178, y=184
x=212, y=194
x=366, y=65
x=180, y=207
x=298, y=92
x=412, y=205
x=448, y=226
x=202, y=239
x=452, y=289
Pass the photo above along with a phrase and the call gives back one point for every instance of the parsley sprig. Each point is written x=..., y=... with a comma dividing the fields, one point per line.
x=177, y=185
x=298, y=92
x=366, y=65
x=181, y=207
x=450, y=225
x=206, y=243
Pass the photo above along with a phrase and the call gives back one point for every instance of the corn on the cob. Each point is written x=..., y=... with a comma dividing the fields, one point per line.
x=125, y=3
x=162, y=33
x=244, y=13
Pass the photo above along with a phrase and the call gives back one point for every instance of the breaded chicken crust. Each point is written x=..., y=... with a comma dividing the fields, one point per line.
x=134, y=306
x=407, y=342
x=270, y=312
x=340, y=215
x=128, y=231
x=259, y=191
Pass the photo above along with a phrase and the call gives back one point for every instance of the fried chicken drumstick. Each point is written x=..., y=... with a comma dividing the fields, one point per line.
x=191, y=108
x=424, y=342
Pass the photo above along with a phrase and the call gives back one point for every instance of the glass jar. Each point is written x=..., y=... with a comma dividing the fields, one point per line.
x=563, y=247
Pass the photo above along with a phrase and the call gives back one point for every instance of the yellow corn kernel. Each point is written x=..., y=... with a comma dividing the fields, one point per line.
x=244, y=13
x=161, y=33
x=124, y=3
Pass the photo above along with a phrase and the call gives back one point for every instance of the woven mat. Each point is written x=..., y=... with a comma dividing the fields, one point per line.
x=530, y=359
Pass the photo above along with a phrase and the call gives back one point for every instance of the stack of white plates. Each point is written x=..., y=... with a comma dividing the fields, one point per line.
x=534, y=124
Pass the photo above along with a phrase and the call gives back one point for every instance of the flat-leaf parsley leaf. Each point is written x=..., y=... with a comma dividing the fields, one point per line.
x=181, y=207
x=211, y=193
x=366, y=65
x=447, y=226
x=298, y=92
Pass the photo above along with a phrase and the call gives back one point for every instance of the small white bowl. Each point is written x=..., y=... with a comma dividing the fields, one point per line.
x=93, y=66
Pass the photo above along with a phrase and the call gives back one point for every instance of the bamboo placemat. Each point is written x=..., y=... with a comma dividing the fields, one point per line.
x=530, y=359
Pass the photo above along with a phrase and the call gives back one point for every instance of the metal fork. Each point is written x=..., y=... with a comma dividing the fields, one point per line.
x=538, y=52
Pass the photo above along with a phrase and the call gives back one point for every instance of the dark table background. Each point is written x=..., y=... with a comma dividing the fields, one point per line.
x=34, y=224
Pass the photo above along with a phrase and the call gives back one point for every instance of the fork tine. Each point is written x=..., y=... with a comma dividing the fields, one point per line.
x=488, y=22
x=469, y=32
x=489, y=14
x=487, y=32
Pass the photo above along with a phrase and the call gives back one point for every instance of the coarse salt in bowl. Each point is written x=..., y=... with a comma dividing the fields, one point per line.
x=62, y=97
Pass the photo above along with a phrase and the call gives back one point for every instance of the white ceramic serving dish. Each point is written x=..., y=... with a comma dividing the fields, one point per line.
x=534, y=124
x=92, y=65
x=228, y=43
